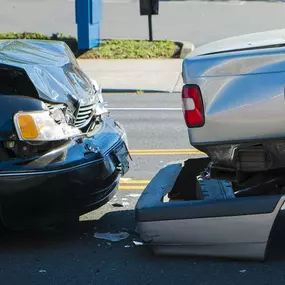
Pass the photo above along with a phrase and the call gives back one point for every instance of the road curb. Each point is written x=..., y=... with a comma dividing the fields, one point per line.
x=187, y=47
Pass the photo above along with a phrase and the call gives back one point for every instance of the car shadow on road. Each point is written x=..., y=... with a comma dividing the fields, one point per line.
x=62, y=237
x=82, y=235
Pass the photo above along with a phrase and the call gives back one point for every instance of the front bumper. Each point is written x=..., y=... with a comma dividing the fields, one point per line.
x=74, y=179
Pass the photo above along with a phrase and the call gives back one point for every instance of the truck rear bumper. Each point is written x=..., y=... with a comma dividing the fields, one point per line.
x=225, y=227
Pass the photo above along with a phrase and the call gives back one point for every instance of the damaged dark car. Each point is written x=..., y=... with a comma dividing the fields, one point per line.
x=61, y=153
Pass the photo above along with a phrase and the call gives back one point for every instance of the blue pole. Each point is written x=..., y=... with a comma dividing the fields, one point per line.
x=88, y=15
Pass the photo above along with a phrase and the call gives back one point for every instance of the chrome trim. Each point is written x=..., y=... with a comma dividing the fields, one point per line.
x=84, y=115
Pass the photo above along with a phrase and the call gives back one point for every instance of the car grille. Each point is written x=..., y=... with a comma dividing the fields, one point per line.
x=83, y=115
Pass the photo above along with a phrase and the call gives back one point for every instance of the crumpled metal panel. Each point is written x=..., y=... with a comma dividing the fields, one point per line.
x=52, y=68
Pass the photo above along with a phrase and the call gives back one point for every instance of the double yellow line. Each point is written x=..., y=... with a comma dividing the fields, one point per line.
x=145, y=152
x=133, y=184
x=128, y=184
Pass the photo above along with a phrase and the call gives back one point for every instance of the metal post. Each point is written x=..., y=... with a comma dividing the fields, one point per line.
x=150, y=28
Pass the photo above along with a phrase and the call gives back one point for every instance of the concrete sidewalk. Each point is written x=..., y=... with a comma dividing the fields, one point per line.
x=134, y=75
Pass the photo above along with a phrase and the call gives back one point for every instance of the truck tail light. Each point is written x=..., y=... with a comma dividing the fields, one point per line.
x=193, y=106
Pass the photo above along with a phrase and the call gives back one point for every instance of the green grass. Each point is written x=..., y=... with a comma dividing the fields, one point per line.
x=109, y=49
x=70, y=41
x=36, y=36
x=130, y=49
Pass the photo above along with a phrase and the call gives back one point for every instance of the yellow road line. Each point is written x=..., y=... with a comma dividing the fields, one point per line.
x=134, y=182
x=142, y=184
x=163, y=153
x=131, y=187
x=166, y=150
x=159, y=152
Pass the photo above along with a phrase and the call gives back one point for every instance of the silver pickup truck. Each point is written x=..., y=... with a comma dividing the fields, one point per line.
x=234, y=105
x=224, y=203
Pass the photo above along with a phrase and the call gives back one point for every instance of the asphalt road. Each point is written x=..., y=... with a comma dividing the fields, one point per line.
x=75, y=256
x=152, y=122
x=197, y=21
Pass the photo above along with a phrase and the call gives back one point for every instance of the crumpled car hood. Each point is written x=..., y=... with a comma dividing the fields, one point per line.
x=249, y=41
x=52, y=68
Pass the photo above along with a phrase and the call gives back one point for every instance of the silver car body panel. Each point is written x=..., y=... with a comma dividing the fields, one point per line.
x=242, y=83
x=229, y=227
x=243, y=237
x=275, y=37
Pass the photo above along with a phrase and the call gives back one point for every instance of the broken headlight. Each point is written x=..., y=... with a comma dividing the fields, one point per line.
x=41, y=126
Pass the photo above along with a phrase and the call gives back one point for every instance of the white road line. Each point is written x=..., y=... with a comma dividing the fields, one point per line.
x=145, y=109
x=229, y=3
